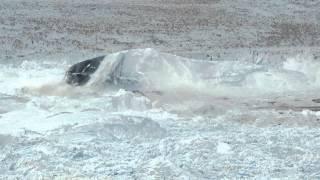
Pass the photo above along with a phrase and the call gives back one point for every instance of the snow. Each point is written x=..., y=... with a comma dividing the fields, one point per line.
x=228, y=90
x=223, y=148
x=84, y=132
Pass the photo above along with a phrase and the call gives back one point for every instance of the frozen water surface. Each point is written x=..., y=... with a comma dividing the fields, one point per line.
x=192, y=119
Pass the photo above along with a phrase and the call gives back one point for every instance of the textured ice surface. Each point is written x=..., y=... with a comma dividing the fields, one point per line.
x=246, y=120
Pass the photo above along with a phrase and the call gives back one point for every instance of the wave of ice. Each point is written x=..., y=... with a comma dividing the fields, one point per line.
x=166, y=81
x=191, y=119
x=150, y=70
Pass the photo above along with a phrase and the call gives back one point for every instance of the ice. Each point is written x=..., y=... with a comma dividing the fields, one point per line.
x=224, y=119
x=223, y=148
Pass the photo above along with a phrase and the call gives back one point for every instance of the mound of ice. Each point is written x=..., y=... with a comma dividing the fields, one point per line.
x=187, y=119
x=152, y=72
x=148, y=70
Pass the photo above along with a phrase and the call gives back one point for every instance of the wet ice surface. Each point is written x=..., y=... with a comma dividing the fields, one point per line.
x=260, y=121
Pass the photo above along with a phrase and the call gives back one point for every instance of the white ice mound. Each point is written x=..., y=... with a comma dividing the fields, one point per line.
x=148, y=70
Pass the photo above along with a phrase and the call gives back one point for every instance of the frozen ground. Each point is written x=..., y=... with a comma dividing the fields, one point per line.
x=205, y=28
x=260, y=120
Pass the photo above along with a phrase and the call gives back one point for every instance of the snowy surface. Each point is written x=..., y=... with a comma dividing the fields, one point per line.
x=205, y=29
x=62, y=131
x=248, y=107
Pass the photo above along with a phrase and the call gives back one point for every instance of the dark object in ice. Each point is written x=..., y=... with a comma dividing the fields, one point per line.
x=316, y=100
x=79, y=74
